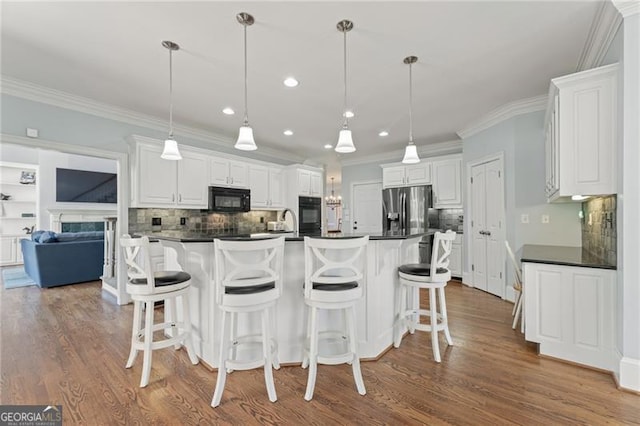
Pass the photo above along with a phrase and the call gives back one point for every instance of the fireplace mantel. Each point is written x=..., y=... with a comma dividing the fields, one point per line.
x=59, y=216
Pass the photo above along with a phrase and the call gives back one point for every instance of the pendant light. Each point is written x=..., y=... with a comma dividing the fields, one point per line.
x=345, y=141
x=410, y=152
x=332, y=200
x=245, y=140
x=170, y=151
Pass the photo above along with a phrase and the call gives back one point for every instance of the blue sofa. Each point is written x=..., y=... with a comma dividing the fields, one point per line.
x=52, y=259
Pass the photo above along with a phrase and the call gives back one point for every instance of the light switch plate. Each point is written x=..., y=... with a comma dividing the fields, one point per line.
x=545, y=218
x=524, y=218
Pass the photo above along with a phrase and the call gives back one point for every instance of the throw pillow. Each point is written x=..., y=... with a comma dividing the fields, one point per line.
x=47, y=237
x=35, y=236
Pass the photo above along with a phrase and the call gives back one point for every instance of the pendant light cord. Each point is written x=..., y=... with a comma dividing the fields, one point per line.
x=346, y=119
x=246, y=108
x=170, y=94
x=410, y=104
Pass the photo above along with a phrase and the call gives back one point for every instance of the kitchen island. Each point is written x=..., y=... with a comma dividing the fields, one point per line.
x=193, y=253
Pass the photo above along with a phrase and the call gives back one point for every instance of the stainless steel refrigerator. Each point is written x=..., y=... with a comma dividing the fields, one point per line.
x=406, y=210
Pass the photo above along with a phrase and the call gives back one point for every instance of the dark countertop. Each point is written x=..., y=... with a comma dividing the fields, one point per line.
x=192, y=237
x=563, y=255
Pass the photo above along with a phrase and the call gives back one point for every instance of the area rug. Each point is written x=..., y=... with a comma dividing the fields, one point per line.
x=16, y=277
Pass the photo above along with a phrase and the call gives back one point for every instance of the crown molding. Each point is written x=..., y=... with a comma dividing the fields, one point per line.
x=602, y=32
x=33, y=92
x=505, y=112
x=628, y=7
x=424, y=151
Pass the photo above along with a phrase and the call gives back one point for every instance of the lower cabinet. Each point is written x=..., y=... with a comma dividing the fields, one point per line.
x=569, y=311
x=455, y=258
x=10, y=250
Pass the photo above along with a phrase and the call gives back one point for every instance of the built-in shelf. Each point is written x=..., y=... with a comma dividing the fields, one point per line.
x=24, y=199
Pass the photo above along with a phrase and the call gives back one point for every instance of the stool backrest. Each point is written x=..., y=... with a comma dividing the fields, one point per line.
x=138, y=260
x=442, y=242
x=333, y=261
x=518, y=273
x=248, y=263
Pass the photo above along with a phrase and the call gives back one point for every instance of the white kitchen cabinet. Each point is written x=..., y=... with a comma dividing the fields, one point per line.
x=569, y=311
x=581, y=134
x=228, y=173
x=455, y=258
x=416, y=174
x=266, y=184
x=447, y=183
x=11, y=250
x=309, y=183
x=165, y=183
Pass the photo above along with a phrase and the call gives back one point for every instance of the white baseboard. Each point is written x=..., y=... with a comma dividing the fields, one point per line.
x=629, y=377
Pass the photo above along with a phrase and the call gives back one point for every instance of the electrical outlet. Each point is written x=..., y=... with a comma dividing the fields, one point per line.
x=156, y=221
x=183, y=221
x=524, y=218
x=545, y=218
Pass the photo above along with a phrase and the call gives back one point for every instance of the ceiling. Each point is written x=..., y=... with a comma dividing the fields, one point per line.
x=473, y=57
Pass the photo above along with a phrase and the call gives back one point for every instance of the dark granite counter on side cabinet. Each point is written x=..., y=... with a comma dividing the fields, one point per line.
x=191, y=237
x=563, y=255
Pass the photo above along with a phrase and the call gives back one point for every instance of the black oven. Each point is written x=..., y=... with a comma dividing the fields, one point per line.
x=229, y=199
x=310, y=215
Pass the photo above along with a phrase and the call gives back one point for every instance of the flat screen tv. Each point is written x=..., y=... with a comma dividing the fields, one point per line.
x=83, y=186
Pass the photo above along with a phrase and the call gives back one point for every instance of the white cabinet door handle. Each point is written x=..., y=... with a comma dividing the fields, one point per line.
x=173, y=197
x=180, y=197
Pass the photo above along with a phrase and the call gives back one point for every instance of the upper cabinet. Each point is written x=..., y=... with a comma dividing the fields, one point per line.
x=266, y=184
x=416, y=174
x=447, y=183
x=309, y=183
x=228, y=173
x=580, y=134
x=166, y=183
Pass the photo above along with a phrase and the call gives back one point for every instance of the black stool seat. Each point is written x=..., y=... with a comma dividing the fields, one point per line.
x=249, y=289
x=164, y=278
x=335, y=287
x=422, y=269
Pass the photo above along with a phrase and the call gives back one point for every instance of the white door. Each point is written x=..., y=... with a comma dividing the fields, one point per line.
x=367, y=207
x=487, y=227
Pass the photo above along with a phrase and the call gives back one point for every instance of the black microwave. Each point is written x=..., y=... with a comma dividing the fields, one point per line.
x=228, y=200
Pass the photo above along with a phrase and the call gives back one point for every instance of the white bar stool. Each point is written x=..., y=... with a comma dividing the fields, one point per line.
x=248, y=278
x=147, y=287
x=334, y=279
x=433, y=276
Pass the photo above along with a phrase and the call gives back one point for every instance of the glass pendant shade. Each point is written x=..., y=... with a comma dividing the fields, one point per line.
x=170, y=151
x=411, y=155
x=345, y=142
x=245, y=140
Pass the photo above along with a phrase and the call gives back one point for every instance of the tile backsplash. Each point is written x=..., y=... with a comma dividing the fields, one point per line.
x=446, y=219
x=140, y=220
x=599, y=231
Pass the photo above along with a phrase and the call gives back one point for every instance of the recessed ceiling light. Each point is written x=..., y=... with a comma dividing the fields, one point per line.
x=328, y=146
x=228, y=111
x=290, y=82
x=348, y=113
x=288, y=132
x=383, y=133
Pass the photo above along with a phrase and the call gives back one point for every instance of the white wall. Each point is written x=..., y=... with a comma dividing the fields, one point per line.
x=521, y=139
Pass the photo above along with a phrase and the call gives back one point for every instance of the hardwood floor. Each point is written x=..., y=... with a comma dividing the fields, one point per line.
x=68, y=345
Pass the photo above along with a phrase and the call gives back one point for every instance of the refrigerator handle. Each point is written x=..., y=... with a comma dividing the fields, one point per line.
x=403, y=202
